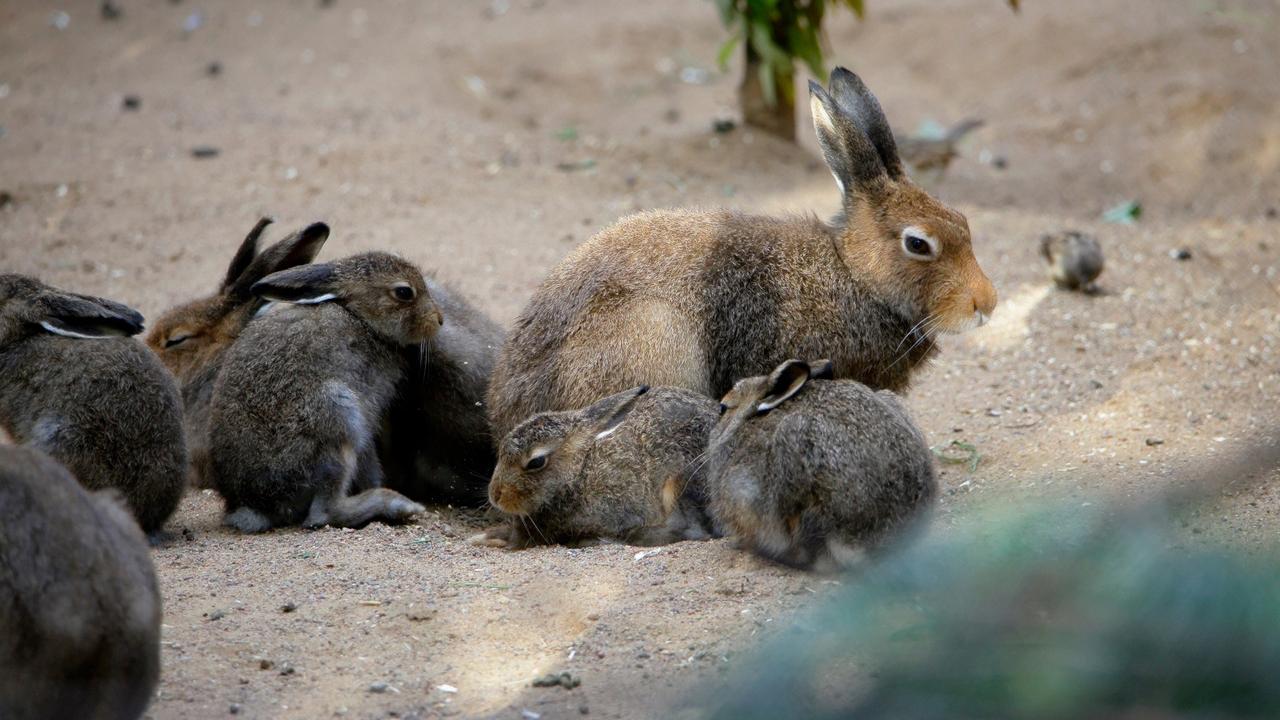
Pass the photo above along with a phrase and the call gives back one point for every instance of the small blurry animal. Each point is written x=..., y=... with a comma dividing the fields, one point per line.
x=934, y=152
x=1075, y=259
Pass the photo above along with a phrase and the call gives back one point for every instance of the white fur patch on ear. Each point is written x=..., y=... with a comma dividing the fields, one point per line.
x=264, y=309
x=315, y=300
x=821, y=117
x=606, y=433
x=66, y=333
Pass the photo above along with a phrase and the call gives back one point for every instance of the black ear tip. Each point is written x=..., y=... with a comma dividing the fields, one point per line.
x=316, y=230
x=842, y=73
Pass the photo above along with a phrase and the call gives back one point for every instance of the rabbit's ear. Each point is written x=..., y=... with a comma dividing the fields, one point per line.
x=841, y=120
x=82, y=316
x=297, y=249
x=303, y=285
x=606, y=415
x=857, y=101
x=821, y=370
x=245, y=255
x=784, y=382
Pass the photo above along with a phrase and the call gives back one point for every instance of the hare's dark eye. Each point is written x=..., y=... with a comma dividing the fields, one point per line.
x=536, y=463
x=723, y=408
x=404, y=293
x=917, y=245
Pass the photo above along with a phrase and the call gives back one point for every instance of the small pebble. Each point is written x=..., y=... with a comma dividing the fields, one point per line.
x=1180, y=254
x=111, y=11
x=288, y=608
x=131, y=102
x=723, y=125
x=213, y=69
x=1154, y=441
x=205, y=151
x=378, y=687
x=217, y=615
x=265, y=664
x=287, y=669
x=234, y=709
x=6, y=198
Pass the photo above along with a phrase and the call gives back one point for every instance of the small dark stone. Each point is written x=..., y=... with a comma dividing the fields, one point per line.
x=326, y=3
x=205, y=151
x=217, y=615
x=288, y=608
x=234, y=709
x=213, y=69
x=378, y=687
x=6, y=198
x=1154, y=441
x=287, y=669
x=672, y=115
x=1272, y=213
x=584, y=710
x=265, y=664
x=131, y=102
x=111, y=11
x=1180, y=254
x=188, y=535
x=723, y=125
x=1000, y=162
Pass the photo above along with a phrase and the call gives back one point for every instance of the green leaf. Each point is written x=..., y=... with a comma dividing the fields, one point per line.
x=1126, y=213
x=726, y=50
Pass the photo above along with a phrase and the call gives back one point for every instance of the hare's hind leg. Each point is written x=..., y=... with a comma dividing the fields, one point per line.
x=332, y=505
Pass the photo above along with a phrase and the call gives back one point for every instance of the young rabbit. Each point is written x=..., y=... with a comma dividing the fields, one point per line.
x=628, y=467
x=304, y=392
x=79, y=604
x=699, y=299
x=73, y=384
x=440, y=443
x=1075, y=260
x=192, y=339
x=809, y=471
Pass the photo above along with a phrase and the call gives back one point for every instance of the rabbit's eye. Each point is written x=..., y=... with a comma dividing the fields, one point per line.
x=723, y=408
x=404, y=293
x=918, y=244
x=175, y=340
x=536, y=463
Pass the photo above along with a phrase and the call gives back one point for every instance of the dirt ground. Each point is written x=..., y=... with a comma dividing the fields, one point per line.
x=485, y=140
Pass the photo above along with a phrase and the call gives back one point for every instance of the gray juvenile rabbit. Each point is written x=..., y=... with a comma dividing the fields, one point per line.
x=440, y=442
x=809, y=471
x=1075, y=260
x=303, y=394
x=698, y=299
x=192, y=339
x=628, y=467
x=73, y=384
x=79, y=604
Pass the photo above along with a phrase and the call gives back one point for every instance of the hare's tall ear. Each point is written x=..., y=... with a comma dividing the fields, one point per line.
x=299, y=248
x=303, y=285
x=855, y=159
x=605, y=415
x=821, y=370
x=82, y=316
x=245, y=255
x=856, y=100
x=785, y=381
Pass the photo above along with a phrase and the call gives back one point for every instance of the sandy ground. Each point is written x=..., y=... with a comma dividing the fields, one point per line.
x=442, y=130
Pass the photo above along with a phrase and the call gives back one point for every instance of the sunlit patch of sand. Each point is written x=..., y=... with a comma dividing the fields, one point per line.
x=1011, y=323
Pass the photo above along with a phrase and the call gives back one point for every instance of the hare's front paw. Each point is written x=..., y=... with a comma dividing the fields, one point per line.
x=494, y=537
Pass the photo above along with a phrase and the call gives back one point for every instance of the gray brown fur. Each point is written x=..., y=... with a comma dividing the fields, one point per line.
x=440, y=437
x=192, y=338
x=698, y=299
x=1075, y=259
x=832, y=470
x=303, y=395
x=92, y=398
x=79, y=604
x=629, y=467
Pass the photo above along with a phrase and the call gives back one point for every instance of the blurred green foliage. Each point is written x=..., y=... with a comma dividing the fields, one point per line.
x=1061, y=614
